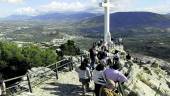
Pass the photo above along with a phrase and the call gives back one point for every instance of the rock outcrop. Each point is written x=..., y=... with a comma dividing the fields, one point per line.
x=147, y=77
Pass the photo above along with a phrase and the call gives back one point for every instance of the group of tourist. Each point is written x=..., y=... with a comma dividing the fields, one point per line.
x=103, y=68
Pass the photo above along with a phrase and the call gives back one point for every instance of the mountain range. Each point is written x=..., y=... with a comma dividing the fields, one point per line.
x=75, y=16
x=143, y=32
x=119, y=19
x=129, y=20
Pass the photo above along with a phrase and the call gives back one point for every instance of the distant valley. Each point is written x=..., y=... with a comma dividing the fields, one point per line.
x=143, y=32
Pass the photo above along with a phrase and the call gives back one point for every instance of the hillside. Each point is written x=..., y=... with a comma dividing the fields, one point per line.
x=128, y=20
x=77, y=16
x=143, y=32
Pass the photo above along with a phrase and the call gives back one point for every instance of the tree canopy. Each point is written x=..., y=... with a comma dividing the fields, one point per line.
x=70, y=48
x=15, y=61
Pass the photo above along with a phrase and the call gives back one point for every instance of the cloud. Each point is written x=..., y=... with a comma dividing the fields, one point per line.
x=92, y=6
x=62, y=6
x=77, y=5
x=12, y=1
x=158, y=9
x=132, y=5
x=27, y=11
x=122, y=5
x=162, y=8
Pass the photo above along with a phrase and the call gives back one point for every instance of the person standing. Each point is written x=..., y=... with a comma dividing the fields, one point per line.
x=114, y=74
x=84, y=75
x=93, y=55
x=98, y=79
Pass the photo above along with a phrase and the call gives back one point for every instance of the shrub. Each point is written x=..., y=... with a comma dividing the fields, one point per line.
x=70, y=48
x=15, y=61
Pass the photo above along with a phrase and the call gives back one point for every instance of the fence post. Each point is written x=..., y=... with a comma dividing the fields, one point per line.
x=56, y=71
x=121, y=89
x=3, y=88
x=81, y=58
x=70, y=64
x=29, y=83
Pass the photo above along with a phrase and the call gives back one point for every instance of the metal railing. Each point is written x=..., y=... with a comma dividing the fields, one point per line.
x=121, y=89
x=16, y=88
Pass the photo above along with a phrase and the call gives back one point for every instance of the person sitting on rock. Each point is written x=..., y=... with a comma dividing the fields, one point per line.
x=84, y=75
x=108, y=89
x=97, y=77
x=114, y=74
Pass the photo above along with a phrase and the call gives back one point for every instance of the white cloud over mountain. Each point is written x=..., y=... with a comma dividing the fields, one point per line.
x=27, y=11
x=62, y=6
x=89, y=5
x=58, y=6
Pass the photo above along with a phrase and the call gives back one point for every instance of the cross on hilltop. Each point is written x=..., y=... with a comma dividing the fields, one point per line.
x=107, y=35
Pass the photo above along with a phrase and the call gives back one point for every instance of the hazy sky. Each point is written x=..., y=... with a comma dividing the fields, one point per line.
x=35, y=7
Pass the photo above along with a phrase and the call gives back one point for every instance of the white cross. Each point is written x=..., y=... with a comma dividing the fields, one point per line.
x=107, y=35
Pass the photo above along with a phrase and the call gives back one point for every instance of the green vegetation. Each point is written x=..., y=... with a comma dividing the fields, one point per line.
x=70, y=48
x=85, y=43
x=150, y=42
x=15, y=61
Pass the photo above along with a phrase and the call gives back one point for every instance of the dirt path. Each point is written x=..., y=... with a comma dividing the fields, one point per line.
x=67, y=85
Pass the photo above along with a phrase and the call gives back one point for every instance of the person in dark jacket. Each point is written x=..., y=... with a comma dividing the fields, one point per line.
x=93, y=56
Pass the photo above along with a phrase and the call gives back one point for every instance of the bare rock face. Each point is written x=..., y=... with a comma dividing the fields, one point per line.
x=148, y=81
x=164, y=65
x=148, y=77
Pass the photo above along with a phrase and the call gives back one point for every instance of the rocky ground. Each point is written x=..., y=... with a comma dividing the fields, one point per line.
x=67, y=85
